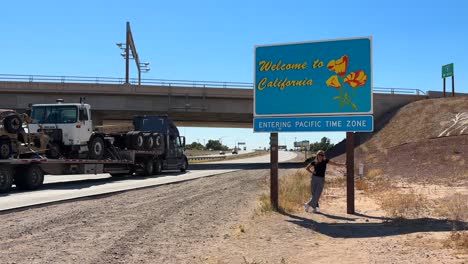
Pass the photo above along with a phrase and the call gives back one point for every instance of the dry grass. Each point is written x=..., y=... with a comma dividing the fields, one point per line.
x=238, y=230
x=373, y=173
x=458, y=240
x=335, y=182
x=379, y=185
x=362, y=185
x=404, y=205
x=454, y=207
x=294, y=189
x=264, y=205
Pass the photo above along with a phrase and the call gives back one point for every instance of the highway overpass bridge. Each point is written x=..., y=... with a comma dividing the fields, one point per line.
x=189, y=103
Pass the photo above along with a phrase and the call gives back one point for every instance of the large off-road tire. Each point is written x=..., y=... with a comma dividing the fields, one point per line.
x=96, y=148
x=5, y=149
x=148, y=141
x=12, y=123
x=157, y=164
x=184, y=166
x=29, y=178
x=148, y=168
x=6, y=179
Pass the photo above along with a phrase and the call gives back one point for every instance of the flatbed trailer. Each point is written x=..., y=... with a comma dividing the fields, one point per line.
x=28, y=173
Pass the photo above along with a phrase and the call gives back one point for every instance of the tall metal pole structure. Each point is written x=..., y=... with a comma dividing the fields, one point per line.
x=130, y=46
x=127, y=54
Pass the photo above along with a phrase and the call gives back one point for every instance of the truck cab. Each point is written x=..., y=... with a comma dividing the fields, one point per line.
x=174, y=157
x=68, y=126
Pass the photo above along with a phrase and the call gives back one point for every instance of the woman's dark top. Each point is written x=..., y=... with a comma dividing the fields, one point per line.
x=320, y=168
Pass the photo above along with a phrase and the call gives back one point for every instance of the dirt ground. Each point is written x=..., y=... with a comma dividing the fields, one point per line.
x=213, y=220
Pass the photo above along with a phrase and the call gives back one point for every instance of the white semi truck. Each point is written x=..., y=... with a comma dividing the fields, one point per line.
x=75, y=146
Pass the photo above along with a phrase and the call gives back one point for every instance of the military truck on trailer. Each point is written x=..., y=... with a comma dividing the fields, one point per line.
x=151, y=145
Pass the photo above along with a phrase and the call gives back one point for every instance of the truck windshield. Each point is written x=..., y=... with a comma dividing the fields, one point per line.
x=54, y=114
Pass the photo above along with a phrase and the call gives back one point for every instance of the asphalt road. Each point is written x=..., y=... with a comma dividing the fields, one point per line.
x=67, y=187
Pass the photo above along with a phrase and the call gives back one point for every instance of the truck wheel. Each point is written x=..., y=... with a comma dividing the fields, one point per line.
x=148, y=141
x=148, y=167
x=6, y=179
x=184, y=166
x=12, y=123
x=29, y=178
x=96, y=148
x=5, y=149
x=157, y=167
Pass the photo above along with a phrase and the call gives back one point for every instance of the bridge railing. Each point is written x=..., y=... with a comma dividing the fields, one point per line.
x=409, y=91
x=163, y=82
x=113, y=80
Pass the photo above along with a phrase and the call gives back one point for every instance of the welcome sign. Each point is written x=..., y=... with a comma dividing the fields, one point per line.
x=314, y=78
x=314, y=86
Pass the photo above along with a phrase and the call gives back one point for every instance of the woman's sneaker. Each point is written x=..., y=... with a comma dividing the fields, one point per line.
x=316, y=210
x=306, y=207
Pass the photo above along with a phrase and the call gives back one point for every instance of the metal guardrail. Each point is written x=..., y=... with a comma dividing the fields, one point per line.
x=408, y=91
x=217, y=157
x=163, y=82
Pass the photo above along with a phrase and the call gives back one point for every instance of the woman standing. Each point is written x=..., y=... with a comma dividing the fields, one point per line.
x=317, y=168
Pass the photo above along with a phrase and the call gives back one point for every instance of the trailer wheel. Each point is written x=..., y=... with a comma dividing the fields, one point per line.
x=12, y=123
x=184, y=166
x=29, y=178
x=148, y=168
x=148, y=141
x=96, y=148
x=5, y=149
x=157, y=167
x=6, y=179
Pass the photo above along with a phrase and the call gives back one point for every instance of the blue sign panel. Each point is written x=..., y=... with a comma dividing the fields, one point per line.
x=314, y=78
x=350, y=123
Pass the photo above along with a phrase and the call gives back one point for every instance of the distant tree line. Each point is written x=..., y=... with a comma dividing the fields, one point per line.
x=210, y=145
x=324, y=145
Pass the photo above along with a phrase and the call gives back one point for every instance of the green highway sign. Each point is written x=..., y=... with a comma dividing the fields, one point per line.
x=447, y=70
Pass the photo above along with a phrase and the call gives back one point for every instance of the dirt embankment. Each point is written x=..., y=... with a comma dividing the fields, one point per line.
x=425, y=139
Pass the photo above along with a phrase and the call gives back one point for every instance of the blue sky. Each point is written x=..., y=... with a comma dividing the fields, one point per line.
x=214, y=41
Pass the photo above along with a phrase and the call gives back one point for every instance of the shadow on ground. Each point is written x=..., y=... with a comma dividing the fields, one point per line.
x=388, y=226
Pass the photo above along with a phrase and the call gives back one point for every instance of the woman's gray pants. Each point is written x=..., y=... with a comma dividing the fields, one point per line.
x=316, y=188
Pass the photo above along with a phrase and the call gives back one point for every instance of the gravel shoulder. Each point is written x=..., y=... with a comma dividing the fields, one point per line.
x=165, y=224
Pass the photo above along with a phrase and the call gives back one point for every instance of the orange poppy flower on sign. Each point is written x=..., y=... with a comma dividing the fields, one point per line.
x=355, y=79
x=334, y=82
x=339, y=66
